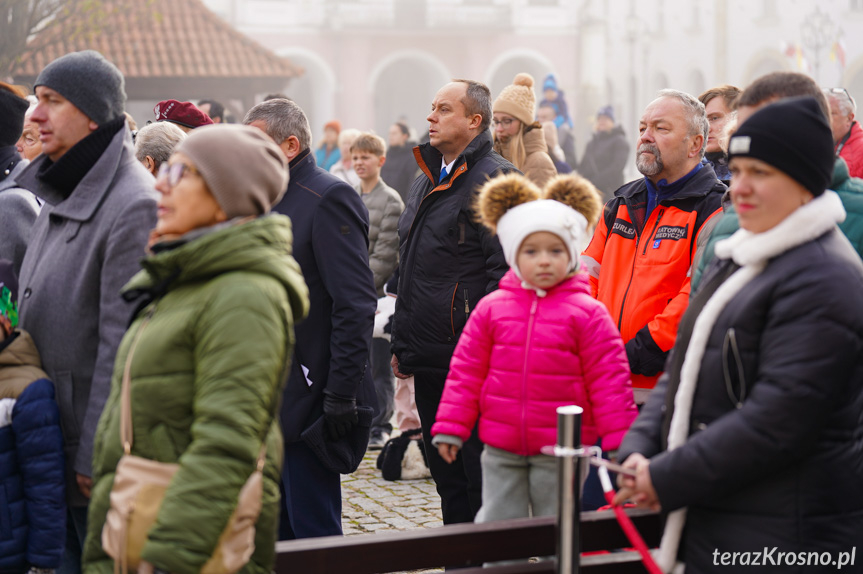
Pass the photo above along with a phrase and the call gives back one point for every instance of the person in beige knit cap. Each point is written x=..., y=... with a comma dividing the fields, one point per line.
x=236, y=172
x=519, y=138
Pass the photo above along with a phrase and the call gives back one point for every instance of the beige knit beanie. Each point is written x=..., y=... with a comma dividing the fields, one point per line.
x=518, y=99
x=244, y=169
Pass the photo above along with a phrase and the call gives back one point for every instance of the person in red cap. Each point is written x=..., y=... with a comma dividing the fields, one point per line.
x=328, y=153
x=186, y=115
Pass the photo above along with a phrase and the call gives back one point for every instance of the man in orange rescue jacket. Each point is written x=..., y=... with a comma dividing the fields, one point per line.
x=640, y=256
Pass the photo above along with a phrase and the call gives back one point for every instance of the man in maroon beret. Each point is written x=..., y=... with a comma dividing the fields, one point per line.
x=186, y=115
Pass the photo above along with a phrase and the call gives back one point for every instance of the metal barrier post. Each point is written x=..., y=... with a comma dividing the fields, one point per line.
x=569, y=483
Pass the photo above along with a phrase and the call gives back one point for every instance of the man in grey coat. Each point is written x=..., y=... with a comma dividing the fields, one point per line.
x=18, y=207
x=85, y=245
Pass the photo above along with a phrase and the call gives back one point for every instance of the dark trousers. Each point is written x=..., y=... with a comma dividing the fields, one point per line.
x=311, y=496
x=385, y=385
x=76, y=531
x=459, y=484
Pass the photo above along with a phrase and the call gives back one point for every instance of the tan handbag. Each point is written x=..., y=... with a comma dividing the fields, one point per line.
x=139, y=488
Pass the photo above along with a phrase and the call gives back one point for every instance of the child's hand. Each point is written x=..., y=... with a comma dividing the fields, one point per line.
x=448, y=452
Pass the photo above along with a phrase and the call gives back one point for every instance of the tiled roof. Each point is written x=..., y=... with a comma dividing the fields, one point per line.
x=160, y=38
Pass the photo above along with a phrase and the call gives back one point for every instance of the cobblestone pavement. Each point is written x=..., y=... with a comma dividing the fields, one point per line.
x=371, y=504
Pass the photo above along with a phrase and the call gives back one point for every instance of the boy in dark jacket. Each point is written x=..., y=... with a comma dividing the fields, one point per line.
x=32, y=486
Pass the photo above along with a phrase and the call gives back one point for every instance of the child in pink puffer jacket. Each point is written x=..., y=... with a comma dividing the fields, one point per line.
x=539, y=342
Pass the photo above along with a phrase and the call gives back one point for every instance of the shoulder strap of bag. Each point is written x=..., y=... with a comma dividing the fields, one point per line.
x=126, y=394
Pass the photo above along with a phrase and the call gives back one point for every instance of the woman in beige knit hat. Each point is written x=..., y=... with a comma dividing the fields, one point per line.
x=517, y=137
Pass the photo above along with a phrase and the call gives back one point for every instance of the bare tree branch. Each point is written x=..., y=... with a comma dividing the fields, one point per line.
x=28, y=26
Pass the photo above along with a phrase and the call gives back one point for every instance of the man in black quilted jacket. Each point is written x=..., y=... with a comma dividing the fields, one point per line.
x=447, y=263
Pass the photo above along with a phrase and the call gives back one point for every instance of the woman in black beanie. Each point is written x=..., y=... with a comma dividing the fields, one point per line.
x=752, y=439
x=18, y=207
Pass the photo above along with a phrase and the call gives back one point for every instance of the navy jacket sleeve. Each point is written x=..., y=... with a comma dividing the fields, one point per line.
x=39, y=444
x=341, y=225
x=644, y=436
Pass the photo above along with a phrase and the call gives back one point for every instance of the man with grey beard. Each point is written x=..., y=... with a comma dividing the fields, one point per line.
x=640, y=256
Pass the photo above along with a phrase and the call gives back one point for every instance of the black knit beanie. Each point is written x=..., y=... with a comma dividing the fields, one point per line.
x=93, y=84
x=793, y=136
x=12, y=110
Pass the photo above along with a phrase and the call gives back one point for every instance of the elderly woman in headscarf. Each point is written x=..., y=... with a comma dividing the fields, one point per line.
x=219, y=295
x=752, y=440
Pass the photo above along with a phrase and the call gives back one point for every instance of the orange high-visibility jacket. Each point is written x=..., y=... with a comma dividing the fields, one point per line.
x=640, y=269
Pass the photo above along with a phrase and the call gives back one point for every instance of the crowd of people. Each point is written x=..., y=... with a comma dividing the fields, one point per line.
x=203, y=324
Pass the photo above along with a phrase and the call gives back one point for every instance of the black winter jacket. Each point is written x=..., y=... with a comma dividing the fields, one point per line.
x=447, y=260
x=400, y=169
x=605, y=159
x=784, y=469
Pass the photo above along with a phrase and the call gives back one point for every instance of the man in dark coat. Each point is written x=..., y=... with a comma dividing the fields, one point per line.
x=606, y=154
x=447, y=263
x=329, y=374
x=85, y=245
x=400, y=170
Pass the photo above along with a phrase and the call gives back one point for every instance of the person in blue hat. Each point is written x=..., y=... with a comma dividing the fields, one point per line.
x=554, y=96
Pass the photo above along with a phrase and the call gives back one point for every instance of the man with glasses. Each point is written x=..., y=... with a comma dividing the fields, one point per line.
x=100, y=206
x=847, y=135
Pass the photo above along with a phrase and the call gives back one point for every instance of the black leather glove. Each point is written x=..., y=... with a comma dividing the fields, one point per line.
x=340, y=415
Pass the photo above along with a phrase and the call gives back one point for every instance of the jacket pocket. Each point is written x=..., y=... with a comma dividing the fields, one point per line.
x=460, y=308
x=739, y=361
x=66, y=402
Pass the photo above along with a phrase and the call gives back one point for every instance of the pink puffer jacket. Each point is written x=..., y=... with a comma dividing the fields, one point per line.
x=521, y=356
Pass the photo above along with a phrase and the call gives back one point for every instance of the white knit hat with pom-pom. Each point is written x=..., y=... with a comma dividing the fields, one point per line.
x=512, y=207
x=518, y=99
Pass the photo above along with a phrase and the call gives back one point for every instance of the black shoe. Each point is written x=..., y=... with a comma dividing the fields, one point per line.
x=378, y=440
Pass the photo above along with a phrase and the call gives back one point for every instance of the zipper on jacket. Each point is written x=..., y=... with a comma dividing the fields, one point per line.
x=653, y=233
x=466, y=303
x=451, y=309
x=626, y=293
x=730, y=343
x=632, y=271
x=530, y=322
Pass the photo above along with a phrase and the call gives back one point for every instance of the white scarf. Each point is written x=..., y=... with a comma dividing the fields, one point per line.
x=752, y=251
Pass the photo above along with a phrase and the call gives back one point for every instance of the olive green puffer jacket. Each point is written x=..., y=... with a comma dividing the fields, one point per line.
x=207, y=377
